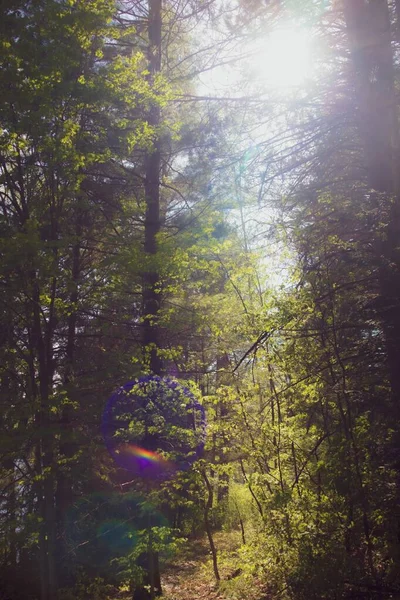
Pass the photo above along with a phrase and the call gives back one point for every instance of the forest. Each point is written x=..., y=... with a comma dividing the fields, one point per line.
x=200, y=299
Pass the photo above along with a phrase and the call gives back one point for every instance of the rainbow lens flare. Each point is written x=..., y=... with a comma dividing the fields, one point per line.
x=154, y=426
x=145, y=458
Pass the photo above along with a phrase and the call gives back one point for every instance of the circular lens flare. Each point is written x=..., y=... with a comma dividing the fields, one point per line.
x=154, y=426
x=145, y=459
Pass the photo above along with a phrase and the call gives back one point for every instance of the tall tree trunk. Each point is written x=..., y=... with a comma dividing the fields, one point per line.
x=45, y=464
x=11, y=507
x=207, y=525
x=151, y=292
x=67, y=448
x=223, y=378
x=151, y=585
x=41, y=340
x=369, y=35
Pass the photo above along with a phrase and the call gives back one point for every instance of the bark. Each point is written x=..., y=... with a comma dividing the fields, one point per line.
x=151, y=288
x=256, y=500
x=207, y=525
x=11, y=508
x=397, y=8
x=151, y=292
x=64, y=491
x=223, y=378
x=369, y=35
x=241, y=524
x=45, y=452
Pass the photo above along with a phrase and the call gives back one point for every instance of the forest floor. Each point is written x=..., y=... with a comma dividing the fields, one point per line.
x=190, y=575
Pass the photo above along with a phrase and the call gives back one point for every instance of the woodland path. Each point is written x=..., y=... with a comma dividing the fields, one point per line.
x=190, y=576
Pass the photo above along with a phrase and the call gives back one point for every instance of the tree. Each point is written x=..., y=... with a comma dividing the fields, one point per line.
x=55, y=135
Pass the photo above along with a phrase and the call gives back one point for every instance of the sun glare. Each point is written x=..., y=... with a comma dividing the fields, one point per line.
x=282, y=59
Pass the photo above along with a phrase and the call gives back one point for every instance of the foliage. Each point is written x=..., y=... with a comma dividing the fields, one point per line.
x=132, y=244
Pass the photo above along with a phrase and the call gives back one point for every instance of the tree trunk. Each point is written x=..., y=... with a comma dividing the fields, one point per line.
x=223, y=378
x=67, y=448
x=151, y=586
x=45, y=452
x=151, y=292
x=207, y=525
x=369, y=35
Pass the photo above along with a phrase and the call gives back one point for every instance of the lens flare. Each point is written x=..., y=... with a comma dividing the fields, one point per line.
x=145, y=458
x=154, y=427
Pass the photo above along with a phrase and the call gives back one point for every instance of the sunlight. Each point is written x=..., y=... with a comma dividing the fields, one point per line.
x=283, y=58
